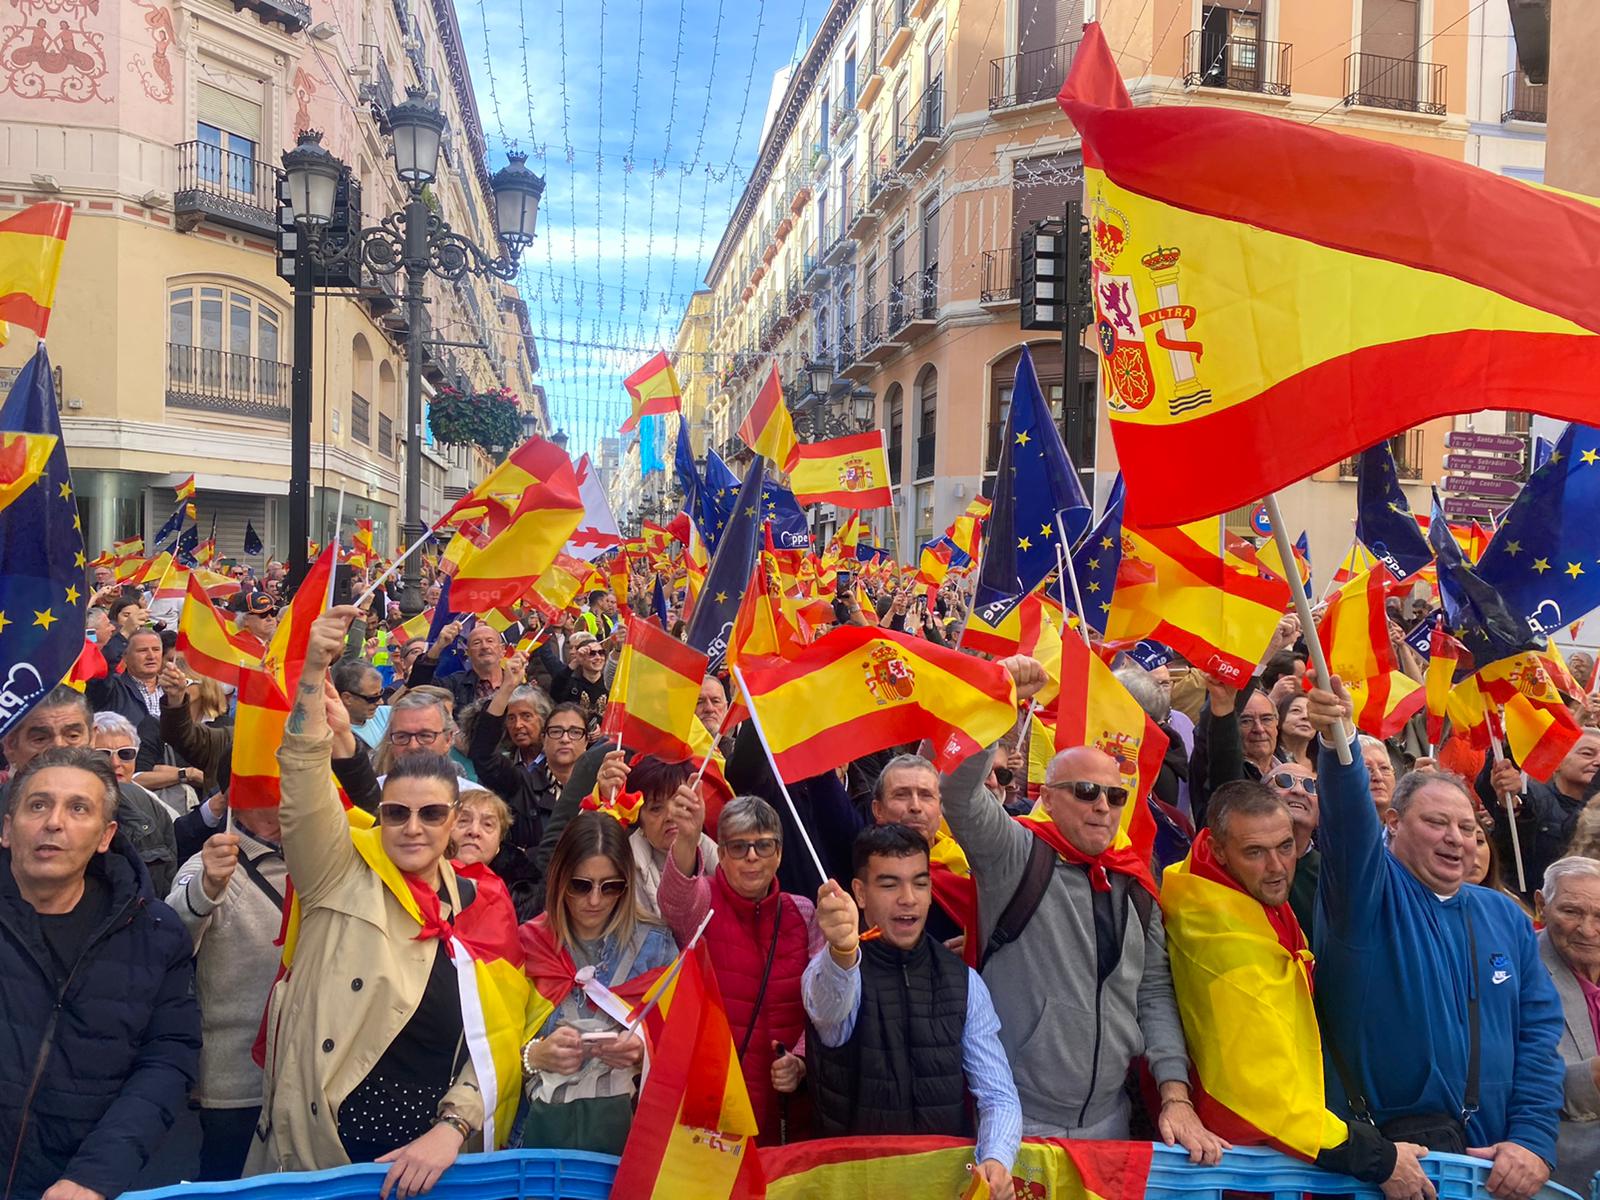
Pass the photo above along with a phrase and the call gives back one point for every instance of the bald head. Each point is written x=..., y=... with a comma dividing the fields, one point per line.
x=1089, y=825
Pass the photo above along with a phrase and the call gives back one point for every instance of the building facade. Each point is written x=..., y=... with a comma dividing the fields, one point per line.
x=172, y=328
x=917, y=139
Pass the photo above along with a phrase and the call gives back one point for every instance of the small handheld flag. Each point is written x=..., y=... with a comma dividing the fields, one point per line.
x=185, y=489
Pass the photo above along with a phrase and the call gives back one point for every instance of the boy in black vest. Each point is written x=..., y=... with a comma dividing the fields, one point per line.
x=900, y=1029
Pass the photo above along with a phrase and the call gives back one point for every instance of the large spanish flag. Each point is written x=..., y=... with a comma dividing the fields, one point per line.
x=31, y=245
x=654, y=693
x=939, y=1168
x=767, y=428
x=1244, y=992
x=862, y=689
x=653, y=388
x=1355, y=636
x=851, y=472
x=1267, y=301
x=1177, y=587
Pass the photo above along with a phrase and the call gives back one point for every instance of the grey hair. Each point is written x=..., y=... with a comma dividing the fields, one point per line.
x=80, y=758
x=748, y=814
x=1368, y=742
x=417, y=699
x=1156, y=703
x=1413, y=782
x=1574, y=866
x=900, y=762
x=532, y=693
x=110, y=722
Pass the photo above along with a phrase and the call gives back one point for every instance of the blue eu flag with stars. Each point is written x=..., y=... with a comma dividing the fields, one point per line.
x=42, y=590
x=711, y=623
x=1095, y=562
x=1384, y=523
x=1475, y=614
x=252, y=541
x=1545, y=556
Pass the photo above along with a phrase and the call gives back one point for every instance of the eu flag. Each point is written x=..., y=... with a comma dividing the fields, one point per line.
x=42, y=591
x=1543, y=557
x=188, y=543
x=790, y=529
x=252, y=541
x=1384, y=524
x=714, y=504
x=688, y=477
x=173, y=527
x=1038, y=498
x=658, y=605
x=711, y=623
x=1475, y=614
x=1095, y=562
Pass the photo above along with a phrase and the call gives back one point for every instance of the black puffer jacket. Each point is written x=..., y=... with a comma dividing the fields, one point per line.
x=92, y=1074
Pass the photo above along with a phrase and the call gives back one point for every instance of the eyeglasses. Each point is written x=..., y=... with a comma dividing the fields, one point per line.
x=564, y=733
x=423, y=737
x=375, y=698
x=741, y=847
x=1288, y=782
x=1258, y=722
x=122, y=753
x=396, y=815
x=592, y=652
x=612, y=888
x=1116, y=795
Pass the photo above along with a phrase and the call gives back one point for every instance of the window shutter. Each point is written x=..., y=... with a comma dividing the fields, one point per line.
x=227, y=111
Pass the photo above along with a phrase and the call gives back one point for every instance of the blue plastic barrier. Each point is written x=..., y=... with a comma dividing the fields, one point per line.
x=552, y=1175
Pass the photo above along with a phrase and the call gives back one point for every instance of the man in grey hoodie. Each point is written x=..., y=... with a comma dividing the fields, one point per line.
x=1080, y=979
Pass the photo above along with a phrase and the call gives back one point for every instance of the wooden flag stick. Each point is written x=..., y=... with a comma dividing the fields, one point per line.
x=755, y=719
x=1510, y=803
x=1067, y=571
x=1308, y=627
x=372, y=588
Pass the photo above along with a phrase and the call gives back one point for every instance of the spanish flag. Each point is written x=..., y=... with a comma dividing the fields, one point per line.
x=185, y=491
x=899, y=1168
x=32, y=243
x=1279, y=320
x=1444, y=654
x=653, y=389
x=966, y=531
x=1242, y=974
x=1354, y=632
x=208, y=642
x=1540, y=729
x=1176, y=586
x=768, y=429
x=850, y=472
x=23, y=459
x=654, y=693
x=557, y=586
x=861, y=689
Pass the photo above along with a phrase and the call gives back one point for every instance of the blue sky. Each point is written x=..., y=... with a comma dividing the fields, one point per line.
x=643, y=164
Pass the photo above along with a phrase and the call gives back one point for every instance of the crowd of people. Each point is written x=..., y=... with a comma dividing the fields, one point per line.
x=983, y=959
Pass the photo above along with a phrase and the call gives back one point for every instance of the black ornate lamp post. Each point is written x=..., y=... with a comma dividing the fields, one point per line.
x=413, y=240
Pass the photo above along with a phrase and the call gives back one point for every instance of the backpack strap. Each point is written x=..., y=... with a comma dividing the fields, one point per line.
x=1024, y=901
x=1143, y=904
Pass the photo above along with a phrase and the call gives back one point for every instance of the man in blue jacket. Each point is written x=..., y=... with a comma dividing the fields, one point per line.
x=101, y=1036
x=1407, y=951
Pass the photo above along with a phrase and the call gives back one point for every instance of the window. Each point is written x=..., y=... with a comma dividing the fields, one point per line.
x=823, y=127
x=894, y=421
x=360, y=418
x=228, y=128
x=385, y=435
x=849, y=97
x=219, y=336
x=927, y=420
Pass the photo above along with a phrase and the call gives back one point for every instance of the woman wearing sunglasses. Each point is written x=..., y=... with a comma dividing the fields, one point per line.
x=393, y=1036
x=582, y=1065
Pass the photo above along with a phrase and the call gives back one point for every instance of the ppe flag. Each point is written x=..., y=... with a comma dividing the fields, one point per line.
x=683, y=466
x=1095, y=562
x=850, y=472
x=1279, y=322
x=653, y=388
x=717, y=606
x=714, y=504
x=42, y=596
x=32, y=243
x=767, y=428
x=1544, y=559
x=860, y=690
x=1384, y=524
x=172, y=527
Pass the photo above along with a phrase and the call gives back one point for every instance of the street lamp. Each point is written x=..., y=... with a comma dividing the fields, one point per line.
x=413, y=240
x=821, y=377
x=559, y=439
x=862, y=402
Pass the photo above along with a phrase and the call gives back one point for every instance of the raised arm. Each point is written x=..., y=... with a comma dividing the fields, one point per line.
x=1350, y=889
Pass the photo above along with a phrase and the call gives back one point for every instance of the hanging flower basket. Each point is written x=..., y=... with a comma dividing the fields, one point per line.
x=492, y=420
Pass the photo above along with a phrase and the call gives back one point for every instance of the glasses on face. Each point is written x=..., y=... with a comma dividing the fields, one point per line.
x=122, y=753
x=742, y=847
x=1258, y=722
x=395, y=815
x=1081, y=789
x=423, y=737
x=609, y=888
x=564, y=733
x=374, y=698
x=592, y=652
x=1288, y=783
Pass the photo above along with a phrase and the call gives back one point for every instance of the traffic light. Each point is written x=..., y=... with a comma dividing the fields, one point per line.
x=345, y=224
x=1043, y=278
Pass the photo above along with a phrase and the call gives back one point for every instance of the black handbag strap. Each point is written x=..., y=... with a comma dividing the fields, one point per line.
x=766, y=977
x=261, y=881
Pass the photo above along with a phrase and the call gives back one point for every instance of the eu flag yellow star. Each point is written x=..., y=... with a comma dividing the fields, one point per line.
x=1045, y=531
x=66, y=491
x=77, y=559
x=1513, y=548
x=1106, y=543
x=1094, y=564
x=1590, y=457
x=1541, y=565
x=1022, y=438
x=46, y=618
x=1024, y=544
x=72, y=595
x=1574, y=569
x=4, y=621
x=722, y=597
x=1093, y=586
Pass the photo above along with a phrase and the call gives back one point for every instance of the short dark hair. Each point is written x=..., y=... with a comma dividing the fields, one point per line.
x=1280, y=664
x=1248, y=797
x=122, y=602
x=169, y=640
x=568, y=706
x=598, y=595
x=886, y=841
x=79, y=757
x=656, y=778
x=347, y=676
x=425, y=766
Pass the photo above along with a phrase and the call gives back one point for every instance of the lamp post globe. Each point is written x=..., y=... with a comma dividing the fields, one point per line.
x=516, y=201
x=418, y=128
x=313, y=174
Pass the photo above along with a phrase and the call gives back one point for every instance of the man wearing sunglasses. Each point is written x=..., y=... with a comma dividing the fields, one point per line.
x=361, y=688
x=1069, y=919
x=1296, y=786
x=141, y=815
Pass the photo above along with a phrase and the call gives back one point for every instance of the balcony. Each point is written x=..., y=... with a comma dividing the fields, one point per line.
x=844, y=349
x=1396, y=84
x=1524, y=101
x=226, y=188
x=873, y=83
x=914, y=304
x=893, y=33
x=293, y=15
x=381, y=292
x=233, y=385
x=813, y=275
x=919, y=134
x=1031, y=77
x=882, y=183
x=1237, y=64
x=999, y=274
x=836, y=246
x=1407, y=451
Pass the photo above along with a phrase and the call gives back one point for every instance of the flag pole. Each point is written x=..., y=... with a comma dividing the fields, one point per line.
x=660, y=988
x=1333, y=576
x=1067, y=571
x=755, y=719
x=333, y=575
x=1510, y=805
x=372, y=588
x=1302, y=605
